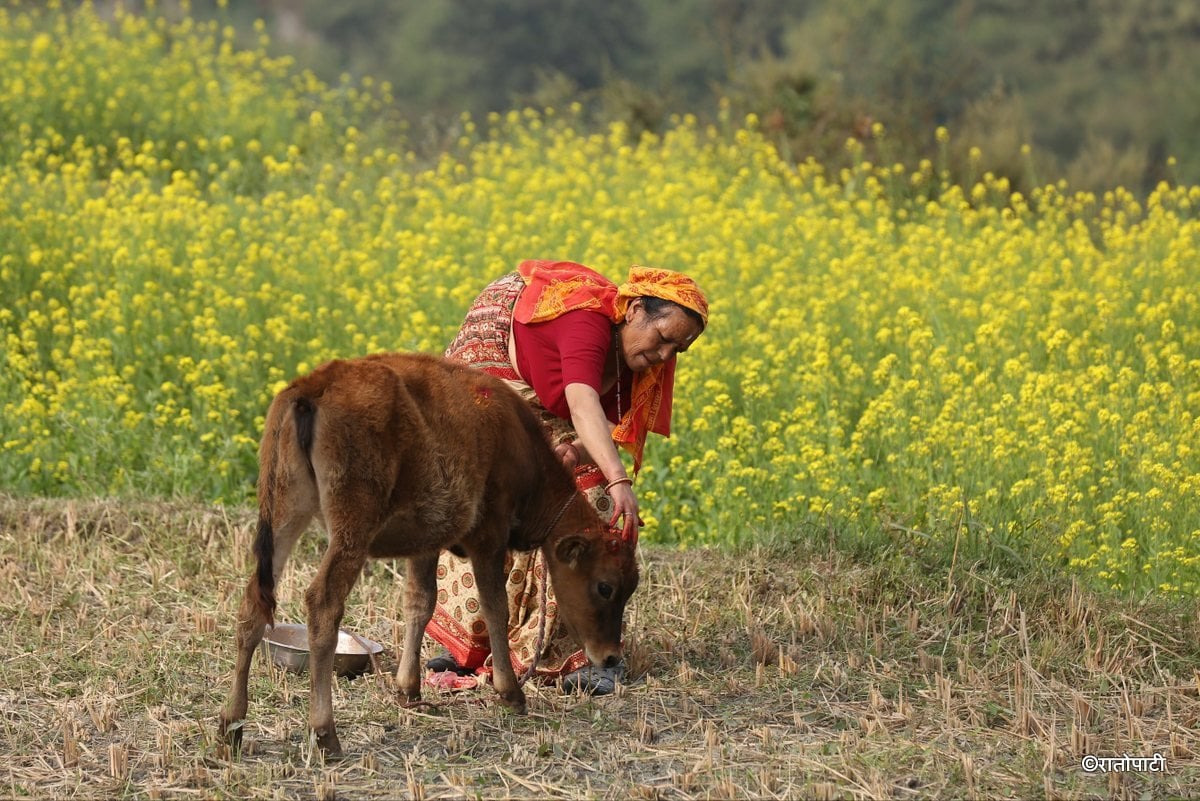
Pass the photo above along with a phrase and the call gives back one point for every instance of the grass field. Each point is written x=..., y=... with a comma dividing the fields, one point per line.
x=185, y=225
x=787, y=670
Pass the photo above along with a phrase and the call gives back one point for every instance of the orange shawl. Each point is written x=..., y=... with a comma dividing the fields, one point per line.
x=556, y=287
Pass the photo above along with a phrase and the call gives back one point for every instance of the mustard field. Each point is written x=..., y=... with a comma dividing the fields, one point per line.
x=185, y=225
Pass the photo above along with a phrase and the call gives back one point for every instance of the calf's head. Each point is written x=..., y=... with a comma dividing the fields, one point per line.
x=594, y=572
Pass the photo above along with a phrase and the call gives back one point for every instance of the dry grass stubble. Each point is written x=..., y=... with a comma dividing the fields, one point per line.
x=774, y=673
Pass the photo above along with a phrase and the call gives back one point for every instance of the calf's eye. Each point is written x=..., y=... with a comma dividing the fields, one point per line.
x=605, y=590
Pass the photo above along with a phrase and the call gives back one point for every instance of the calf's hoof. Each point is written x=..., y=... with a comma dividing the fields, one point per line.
x=231, y=732
x=515, y=701
x=327, y=741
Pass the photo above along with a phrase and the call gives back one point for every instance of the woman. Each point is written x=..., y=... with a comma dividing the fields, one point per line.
x=596, y=362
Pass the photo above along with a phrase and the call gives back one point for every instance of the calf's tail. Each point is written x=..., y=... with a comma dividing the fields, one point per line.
x=264, y=552
x=303, y=413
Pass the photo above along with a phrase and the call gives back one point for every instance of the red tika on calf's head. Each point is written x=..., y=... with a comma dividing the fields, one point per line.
x=404, y=455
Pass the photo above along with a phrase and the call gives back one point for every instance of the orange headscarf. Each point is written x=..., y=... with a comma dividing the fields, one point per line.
x=554, y=288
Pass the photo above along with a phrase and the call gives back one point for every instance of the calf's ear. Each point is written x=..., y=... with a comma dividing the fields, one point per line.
x=571, y=549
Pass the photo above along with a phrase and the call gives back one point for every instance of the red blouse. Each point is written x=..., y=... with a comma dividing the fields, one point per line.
x=570, y=349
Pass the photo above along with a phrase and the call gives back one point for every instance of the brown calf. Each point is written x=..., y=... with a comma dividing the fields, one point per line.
x=403, y=455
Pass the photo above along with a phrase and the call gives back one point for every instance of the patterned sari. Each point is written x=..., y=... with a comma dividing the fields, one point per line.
x=457, y=623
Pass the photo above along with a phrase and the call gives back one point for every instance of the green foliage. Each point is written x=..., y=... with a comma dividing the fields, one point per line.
x=513, y=42
x=1105, y=93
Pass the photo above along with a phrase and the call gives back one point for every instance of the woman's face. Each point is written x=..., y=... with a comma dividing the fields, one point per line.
x=647, y=341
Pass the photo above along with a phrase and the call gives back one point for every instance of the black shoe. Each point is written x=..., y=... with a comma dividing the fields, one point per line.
x=443, y=662
x=594, y=680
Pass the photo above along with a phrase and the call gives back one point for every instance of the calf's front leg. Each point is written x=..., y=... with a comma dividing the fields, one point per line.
x=420, y=596
x=490, y=576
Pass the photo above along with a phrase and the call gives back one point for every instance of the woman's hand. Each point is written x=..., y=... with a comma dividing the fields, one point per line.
x=595, y=439
x=625, y=509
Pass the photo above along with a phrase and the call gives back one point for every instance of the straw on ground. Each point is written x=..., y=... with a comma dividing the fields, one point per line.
x=786, y=671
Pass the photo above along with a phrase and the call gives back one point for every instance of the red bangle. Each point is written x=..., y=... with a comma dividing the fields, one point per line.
x=616, y=481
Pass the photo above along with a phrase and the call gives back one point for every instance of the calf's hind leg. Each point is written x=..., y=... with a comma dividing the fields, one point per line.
x=325, y=600
x=420, y=596
x=252, y=621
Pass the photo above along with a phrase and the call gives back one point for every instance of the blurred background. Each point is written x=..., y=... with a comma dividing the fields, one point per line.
x=1106, y=92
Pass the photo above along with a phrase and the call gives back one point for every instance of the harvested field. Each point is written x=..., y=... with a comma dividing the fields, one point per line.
x=784, y=671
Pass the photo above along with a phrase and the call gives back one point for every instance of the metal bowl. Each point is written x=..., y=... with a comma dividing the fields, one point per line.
x=287, y=646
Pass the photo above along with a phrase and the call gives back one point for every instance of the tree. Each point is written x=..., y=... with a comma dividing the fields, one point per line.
x=512, y=44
